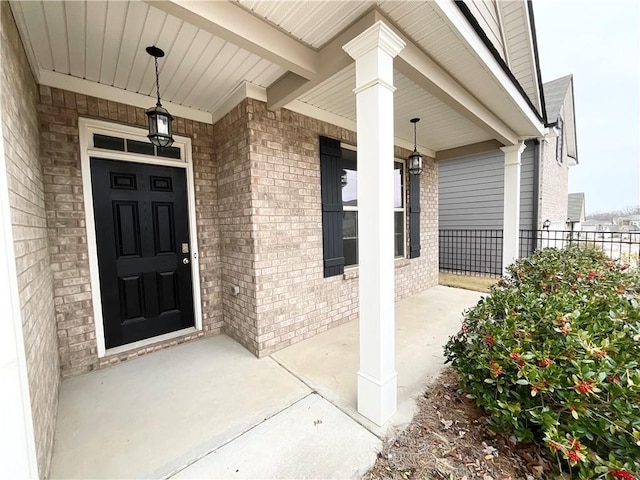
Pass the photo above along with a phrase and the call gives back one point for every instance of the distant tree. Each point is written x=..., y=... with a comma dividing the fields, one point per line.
x=610, y=215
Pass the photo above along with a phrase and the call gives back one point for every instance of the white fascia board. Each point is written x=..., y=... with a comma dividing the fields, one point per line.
x=534, y=70
x=107, y=92
x=238, y=26
x=457, y=21
x=242, y=91
x=348, y=124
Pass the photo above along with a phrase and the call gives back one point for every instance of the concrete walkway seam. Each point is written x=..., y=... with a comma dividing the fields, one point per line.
x=313, y=390
x=177, y=471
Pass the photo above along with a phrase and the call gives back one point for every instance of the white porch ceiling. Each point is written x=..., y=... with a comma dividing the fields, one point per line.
x=440, y=127
x=103, y=43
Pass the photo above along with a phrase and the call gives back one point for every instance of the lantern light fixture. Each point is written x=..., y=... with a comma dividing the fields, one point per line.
x=415, y=159
x=546, y=224
x=158, y=118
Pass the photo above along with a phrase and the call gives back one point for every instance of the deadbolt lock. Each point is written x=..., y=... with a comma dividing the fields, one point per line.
x=185, y=248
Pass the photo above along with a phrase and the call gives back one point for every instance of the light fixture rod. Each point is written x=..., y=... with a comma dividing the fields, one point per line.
x=415, y=138
x=156, y=53
x=157, y=83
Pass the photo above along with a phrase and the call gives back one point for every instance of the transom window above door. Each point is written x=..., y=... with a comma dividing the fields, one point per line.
x=130, y=145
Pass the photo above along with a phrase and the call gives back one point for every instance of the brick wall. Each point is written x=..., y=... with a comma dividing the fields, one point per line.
x=259, y=225
x=293, y=300
x=28, y=217
x=554, y=186
x=237, y=232
x=59, y=111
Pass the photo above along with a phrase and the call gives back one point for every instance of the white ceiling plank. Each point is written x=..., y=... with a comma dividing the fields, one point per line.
x=57, y=29
x=75, y=13
x=172, y=60
x=160, y=30
x=187, y=61
x=114, y=26
x=174, y=57
x=207, y=60
x=209, y=92
x=270, y=75
x=95, y=27
x=35, y=22
x=130, y=45
x=260, y=72
x=240, y=27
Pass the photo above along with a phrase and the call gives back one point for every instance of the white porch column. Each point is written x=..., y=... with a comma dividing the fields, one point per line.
x=16, y=434
x=374, y=50
x=511, y=224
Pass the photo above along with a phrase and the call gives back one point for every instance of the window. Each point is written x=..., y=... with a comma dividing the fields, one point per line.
x=109, y=142
x=560, y=141
x=339, y=191
x=349, y=185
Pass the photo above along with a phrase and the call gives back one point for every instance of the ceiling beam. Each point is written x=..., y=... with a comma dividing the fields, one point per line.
x=418, y=67
x=238, y=26
x=331, y=60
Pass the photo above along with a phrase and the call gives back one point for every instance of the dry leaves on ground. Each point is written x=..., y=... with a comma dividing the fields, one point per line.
x=449, y=439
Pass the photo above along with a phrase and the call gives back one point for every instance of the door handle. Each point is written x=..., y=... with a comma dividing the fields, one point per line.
x=185, y=260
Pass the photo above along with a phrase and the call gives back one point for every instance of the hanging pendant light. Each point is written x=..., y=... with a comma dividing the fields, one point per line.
x=159, y=119
x=415, y=159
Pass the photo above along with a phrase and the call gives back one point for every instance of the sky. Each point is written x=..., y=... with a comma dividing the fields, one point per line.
x=598, y=42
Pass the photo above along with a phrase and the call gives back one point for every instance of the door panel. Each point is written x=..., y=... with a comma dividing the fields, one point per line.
x=141, y=219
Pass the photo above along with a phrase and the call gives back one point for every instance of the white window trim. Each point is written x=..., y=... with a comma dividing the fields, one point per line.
x=350, y=208
x=87, y=128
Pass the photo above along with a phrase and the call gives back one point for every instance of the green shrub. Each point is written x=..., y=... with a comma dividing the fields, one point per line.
x=552, y=354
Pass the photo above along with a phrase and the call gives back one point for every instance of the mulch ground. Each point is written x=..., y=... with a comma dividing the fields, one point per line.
x=449, y=439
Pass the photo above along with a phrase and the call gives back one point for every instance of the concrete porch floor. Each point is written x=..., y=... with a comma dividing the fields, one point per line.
x=209, y=409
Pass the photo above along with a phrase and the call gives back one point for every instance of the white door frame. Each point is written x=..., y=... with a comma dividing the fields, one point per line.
x=87, y=128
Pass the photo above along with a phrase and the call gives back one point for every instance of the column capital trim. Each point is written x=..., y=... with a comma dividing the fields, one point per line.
x=373, y=83
x=379, y=35
x=519, y=148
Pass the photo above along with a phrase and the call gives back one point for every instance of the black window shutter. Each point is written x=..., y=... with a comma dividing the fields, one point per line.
x=330, y=175
x=414, y=216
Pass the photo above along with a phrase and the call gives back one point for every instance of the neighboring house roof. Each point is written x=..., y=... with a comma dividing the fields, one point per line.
x=627, y=218
x=555, y=92
x=559, y=102
x=575, y=210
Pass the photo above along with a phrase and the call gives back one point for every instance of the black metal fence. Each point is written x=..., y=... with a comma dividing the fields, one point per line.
x=479, y=252
x=471, y=251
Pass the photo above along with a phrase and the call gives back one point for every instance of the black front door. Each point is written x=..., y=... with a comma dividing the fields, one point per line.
x=142, y=231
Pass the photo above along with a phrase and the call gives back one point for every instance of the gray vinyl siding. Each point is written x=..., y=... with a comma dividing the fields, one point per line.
x=527, y=189
x=470, y=199
x=471, y=191
x=486, y=14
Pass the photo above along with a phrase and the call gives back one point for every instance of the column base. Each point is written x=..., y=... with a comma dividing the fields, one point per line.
x=377, y=399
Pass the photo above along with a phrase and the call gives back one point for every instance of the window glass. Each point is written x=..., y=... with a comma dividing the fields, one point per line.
x=350, y=237
x=398, y=233
x=398, y=185
x=349, y=183
x=349, y=179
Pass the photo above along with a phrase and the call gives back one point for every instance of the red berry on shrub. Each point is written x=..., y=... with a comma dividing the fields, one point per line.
x=623, y=474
